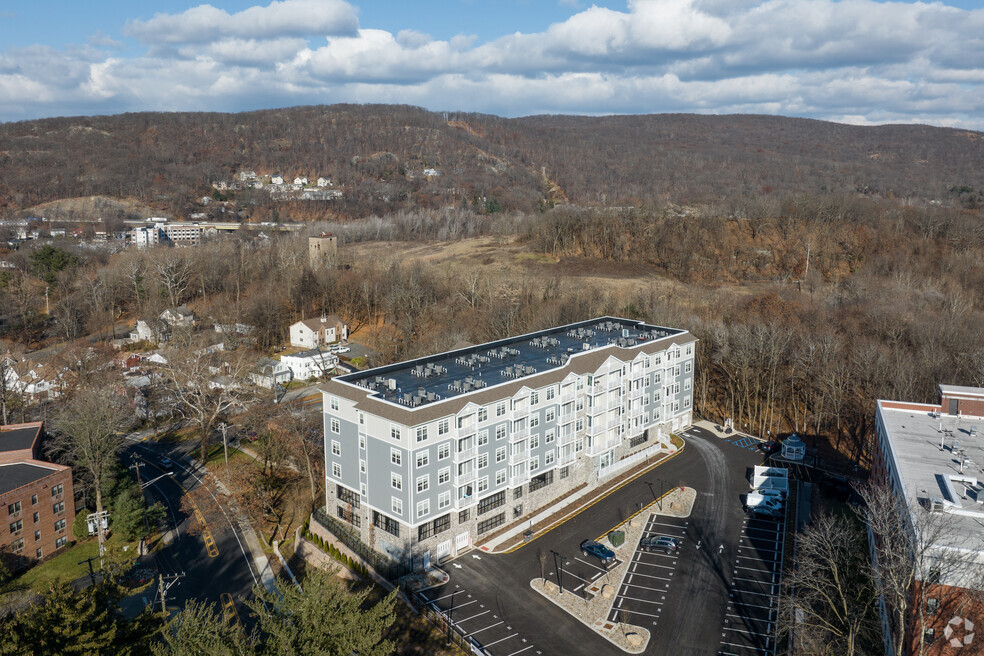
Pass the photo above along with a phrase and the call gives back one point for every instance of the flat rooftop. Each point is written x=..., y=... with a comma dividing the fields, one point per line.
x=929, y=472
x=18, y=439
x=445, y=375
x=19, y=474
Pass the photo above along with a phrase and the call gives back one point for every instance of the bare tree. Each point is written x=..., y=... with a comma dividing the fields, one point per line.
x=205, y=383
x=174, y=272
x=89, y=436
x=831, y=594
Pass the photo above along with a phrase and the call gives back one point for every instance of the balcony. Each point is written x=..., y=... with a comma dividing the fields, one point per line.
x=521, y=456
x=466, y=454
x=520, y=434
x=516, y=481
x=464, y=479
x=567, y=398
x=566, y=437
x=599, y=428
x=563, y=461
x=565, y=417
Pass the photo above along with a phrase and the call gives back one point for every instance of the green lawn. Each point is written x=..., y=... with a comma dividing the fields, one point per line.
x=66, y=565
x=216, y=455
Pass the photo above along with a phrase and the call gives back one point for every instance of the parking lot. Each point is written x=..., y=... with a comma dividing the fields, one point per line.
x=478, y=621
x=642, y=595
x=753, y=606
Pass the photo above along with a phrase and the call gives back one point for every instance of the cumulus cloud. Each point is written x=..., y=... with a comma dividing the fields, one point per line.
x=847, y=60
x=206, y=23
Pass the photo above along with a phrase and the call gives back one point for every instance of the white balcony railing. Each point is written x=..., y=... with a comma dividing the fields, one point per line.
x=520, y=434
x=465, y=478
x=465, y=454
x=518, y=457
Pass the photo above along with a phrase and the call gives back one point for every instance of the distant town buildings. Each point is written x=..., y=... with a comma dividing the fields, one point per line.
x=176, y=233
x=38, y=496
x=313, y=363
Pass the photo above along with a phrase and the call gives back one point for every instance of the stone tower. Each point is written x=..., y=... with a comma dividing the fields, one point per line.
x=322, y=249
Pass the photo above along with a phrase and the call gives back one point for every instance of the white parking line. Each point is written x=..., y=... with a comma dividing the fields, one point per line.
x=748, y=618
x=644, y=601
x=485, y=646
x=474, y=616
x=754, y=633
x=757, y=594
x=651, y=576
x=755, y=569
x=764, y=651
x=634, y=612
x=744, y=605
x=449, y=595
x=643, y=587
x=772, y=582
x=592, y=565
x=520, y=651
x=486, y=628
x=654, y=565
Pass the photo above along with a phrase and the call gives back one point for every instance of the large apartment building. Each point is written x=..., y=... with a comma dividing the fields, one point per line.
x=429, y=457
x=931, y=457
x=37, y=494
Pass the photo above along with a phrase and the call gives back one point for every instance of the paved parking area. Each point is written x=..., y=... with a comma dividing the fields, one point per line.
x=753, y=606
x=642, y=595
x=478, y=621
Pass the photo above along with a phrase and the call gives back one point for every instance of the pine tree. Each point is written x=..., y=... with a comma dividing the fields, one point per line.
x=198, y=630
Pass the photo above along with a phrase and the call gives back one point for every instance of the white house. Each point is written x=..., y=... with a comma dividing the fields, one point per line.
x=179, y=317
x=310, y=364
x=149, y=331
x=324, y=182
x=269, y=373
x=277, y=179
x=300, y=180
x=311, y=333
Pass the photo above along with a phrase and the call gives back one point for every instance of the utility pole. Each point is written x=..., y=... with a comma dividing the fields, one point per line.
x=92, y=575
x=164, y=584
x=136, y=467
x=225, y=446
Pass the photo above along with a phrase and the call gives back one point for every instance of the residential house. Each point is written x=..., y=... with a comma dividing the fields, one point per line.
x=300, y=180
x=311, y=333
x=38, y=495
x=270, y=373
x=277, y=179
x=179, y=317
x=35, y=380
x=150, y=330
x=324, y=182
x=314, y=363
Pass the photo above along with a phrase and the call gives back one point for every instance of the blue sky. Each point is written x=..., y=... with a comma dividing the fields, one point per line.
x=855, y=61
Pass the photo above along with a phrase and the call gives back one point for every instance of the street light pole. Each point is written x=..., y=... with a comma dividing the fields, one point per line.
x=225, y=447
x=559, y=565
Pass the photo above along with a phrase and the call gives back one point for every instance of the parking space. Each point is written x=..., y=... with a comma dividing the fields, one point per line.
x=478, y=621
x=643, y=593
x=576, y=574
x=753, y=605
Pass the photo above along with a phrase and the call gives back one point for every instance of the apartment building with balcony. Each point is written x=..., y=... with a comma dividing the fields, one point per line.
x=429, y=457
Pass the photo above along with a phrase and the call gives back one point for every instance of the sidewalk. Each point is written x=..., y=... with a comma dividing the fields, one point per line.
x=513, y=536
x=711, y=427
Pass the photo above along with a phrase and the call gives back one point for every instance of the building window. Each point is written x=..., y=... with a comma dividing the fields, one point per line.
x=534, y=398
x=388, y=524
x=17, y=545
x=348, y=496
x=37, y=536
x=444, y=451
x=349, y=516
x=421, y=433
x=483, y=484
x=500, y=409
x=333, y=403
x=58, y=508
x=59, y=525
x=336, y=470
x=396, y=505
x=551, y=415
x=565, y=472
x=37, y=553
x=395, y=432
x=443, y=427
x=534, y=463
x=336, y=448
x=423, y=457
x=500, y=477
x=362, y=441
x=550, y=393
x=500, y=432
x=14, y=508
x=423, y=484
x=396, y=457
x=423, y=508
x=483, y=438
x=60, y=542
x=16, y=527
x=443, y=500
x=37, y=517
x=443, y=476
x=686, y=402
x=483, y=461
x=430, y=529
x=500, y=454
x=534, y=442
x=548, y=437
x=491, y=503
x=34, y=499
x=362, y=467
x=483, y=414
x=541, y=481
x=336, y=427
x=464, y=515
x=396, y=481
x=549, y=457
x=492, y=522
x=534, y=421
x=518, y=492
x=55, y=491
x=688, y=367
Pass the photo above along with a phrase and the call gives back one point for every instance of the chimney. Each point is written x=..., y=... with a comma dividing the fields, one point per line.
x=324, y=318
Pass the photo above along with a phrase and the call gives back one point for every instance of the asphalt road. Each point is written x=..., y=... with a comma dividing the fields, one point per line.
x=697, y=599
x=220, y=572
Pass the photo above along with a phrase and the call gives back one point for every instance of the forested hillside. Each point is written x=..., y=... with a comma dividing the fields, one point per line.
x=377, y=155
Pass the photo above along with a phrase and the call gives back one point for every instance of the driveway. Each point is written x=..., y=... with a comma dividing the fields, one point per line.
x=694, y=604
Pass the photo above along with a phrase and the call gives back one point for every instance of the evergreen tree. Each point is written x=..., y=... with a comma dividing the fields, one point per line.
x=324, y=620
x=198, y=630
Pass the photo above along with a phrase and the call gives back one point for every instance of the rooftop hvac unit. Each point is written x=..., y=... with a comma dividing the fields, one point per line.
x=625, y=332
x=391, y=384
x=934, y=505
x=586, y=346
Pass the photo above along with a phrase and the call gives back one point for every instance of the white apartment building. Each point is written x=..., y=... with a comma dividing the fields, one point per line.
x=428, y=457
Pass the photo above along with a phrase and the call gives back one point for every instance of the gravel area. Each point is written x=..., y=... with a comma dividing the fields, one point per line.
x=594, y=609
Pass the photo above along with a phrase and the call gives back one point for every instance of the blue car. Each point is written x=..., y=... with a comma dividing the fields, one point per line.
x=599, y=551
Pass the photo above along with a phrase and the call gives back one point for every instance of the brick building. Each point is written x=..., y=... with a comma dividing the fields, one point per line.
x=426, y=458
x=931, y=457
x=38, y=496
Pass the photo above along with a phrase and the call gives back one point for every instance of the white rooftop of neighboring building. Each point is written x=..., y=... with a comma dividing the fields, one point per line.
x=929, y=472
x=959, y=390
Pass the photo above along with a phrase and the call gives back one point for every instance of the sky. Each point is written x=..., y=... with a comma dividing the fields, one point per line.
x=851, y=61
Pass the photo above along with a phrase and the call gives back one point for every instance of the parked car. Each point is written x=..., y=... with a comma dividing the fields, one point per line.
x=599, y=551
x=341, y=349
x=771, y=447
x=661, y=543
